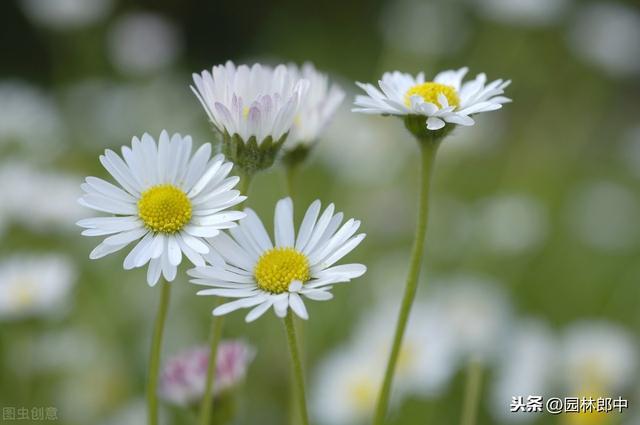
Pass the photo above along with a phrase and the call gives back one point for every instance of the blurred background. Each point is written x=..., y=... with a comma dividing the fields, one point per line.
x=532, y=267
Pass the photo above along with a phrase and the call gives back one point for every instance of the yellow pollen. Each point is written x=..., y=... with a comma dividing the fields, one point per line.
x=164, y=208
x=430, y=91
x=278, y=267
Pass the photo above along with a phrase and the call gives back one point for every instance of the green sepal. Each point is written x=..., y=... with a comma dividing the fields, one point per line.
x=297, y=155
x=417, y=125
x=251, y=156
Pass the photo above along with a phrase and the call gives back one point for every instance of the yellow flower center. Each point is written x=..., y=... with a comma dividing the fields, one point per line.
x=23, y=293
x=362, y=393
x=430, y=91
x=164, y=208
x=278, y=267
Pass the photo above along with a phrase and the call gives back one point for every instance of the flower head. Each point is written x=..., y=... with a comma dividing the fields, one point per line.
x=263, y=275
x=169, y=201
x=34, y=285
x=253, y=107
x=445, y=99
x=317, y=106
x=257, y=101
x=183, y=378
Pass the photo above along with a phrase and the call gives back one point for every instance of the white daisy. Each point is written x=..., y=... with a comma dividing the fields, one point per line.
x=316, y=107
x=262, y=275
x=257, y=101
x=170, y=201
x=33, y=285
x=446, y=99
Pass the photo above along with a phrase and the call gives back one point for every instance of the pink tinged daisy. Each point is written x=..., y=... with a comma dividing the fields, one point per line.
x=168, y=201
x=183, y=378
x=259, y=274
x=253, y=107
x=444, y=100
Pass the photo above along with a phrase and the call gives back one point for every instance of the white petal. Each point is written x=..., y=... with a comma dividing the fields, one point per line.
x=258, y=311
x=283, y=223
x=297, y=305
x=238, y=304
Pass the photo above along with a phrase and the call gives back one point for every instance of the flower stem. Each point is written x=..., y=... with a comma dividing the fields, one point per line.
x=291, y=171
x=472, y=393
x=428, y=155
x=296, y=367
x=154, y=358
x=206, y=405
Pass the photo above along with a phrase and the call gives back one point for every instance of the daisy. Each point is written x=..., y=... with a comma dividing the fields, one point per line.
x=261, y=274
x=169, y=201
x=183, y=377
x=445, y=99
x=317, y=107
x=256, y=103
x=34, y=285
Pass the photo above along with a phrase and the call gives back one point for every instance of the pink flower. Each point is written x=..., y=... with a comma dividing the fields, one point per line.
x=183, y=377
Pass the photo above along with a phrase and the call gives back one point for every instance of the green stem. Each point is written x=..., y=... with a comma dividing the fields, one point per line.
x=245, y=181
x=291, y=171
x=428, y=155
x=472, y=393
x=154, y=358
x=206, y=405
x=296, y=367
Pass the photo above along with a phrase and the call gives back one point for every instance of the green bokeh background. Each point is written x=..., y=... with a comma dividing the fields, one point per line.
x=566, y=128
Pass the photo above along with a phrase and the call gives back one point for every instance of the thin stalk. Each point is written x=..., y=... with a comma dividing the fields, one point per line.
x=472, y=390
x=291, y=174
x=156, y=348
x=296, y=365
x=206, y=404
x=428, y=155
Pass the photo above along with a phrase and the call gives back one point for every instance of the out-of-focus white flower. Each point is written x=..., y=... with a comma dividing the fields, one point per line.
x=317, y=106
x=445, y=99
x=26, y=197
x=346, y=384
x=476, y=312
x=257, y=101
x=607, y=34
x=425, y=28
x=258, y=274
x=134, y=413
x=66, y=14
x=598, y=356
x=376, y=151
x=33, y=285
x=346, y=387
x=526, y=366
x=142, y=43
x=426, y=362
x=604, y=215
x=523, y=12
x=29, y=118
x=512, y=224
x=169, y=199
x=183, y=377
